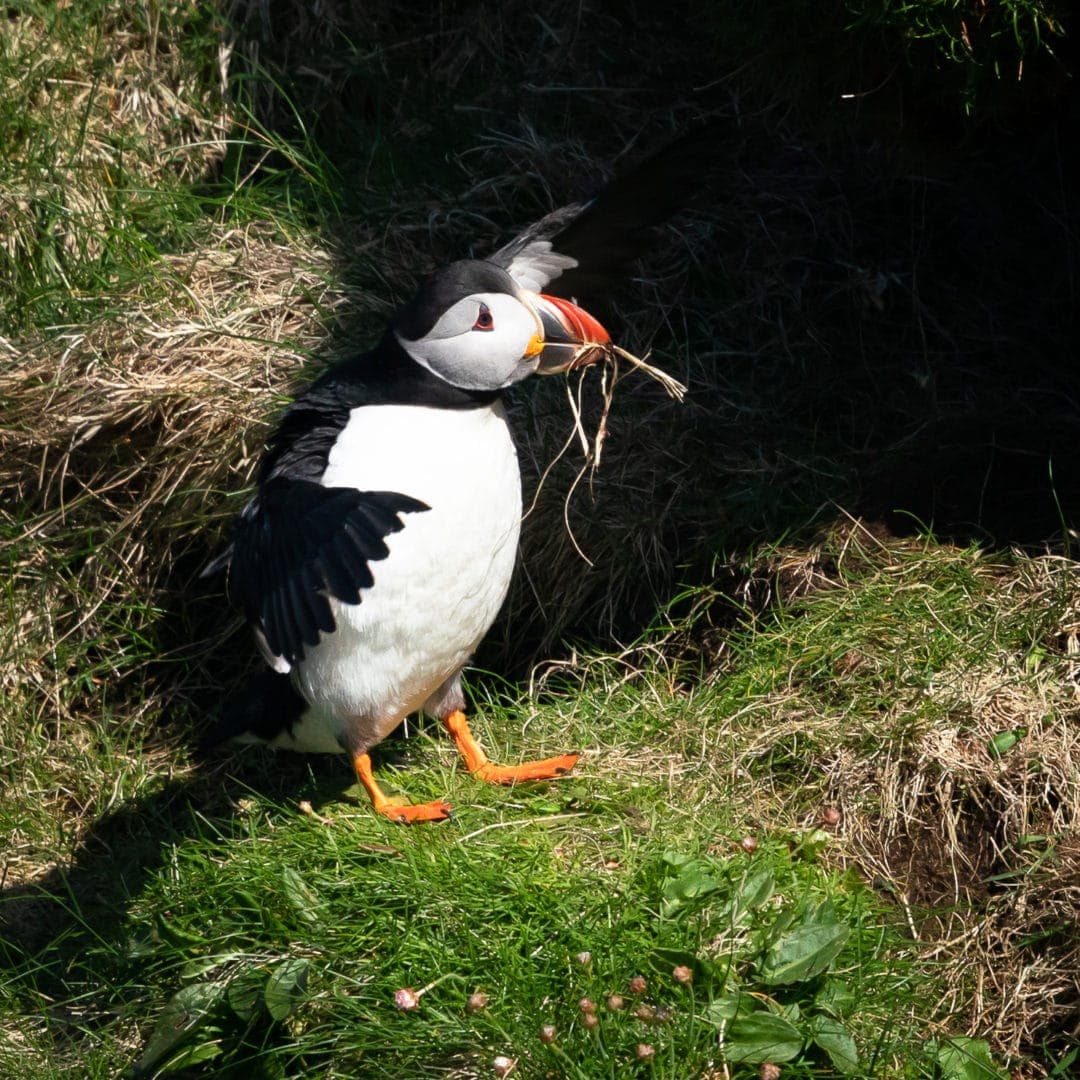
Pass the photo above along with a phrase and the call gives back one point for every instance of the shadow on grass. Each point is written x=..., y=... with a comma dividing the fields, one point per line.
x=882, y=327
x=72, y=927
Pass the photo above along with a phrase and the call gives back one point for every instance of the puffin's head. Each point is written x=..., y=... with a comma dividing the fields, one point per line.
x=471, y=324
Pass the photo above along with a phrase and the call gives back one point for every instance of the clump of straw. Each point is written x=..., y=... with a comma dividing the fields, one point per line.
x=607, y=356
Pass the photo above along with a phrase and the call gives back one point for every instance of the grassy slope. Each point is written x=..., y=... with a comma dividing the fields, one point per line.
x=862, y=672
x=234, y=885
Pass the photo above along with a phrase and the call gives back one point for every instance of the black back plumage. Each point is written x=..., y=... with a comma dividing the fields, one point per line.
x=269, y=705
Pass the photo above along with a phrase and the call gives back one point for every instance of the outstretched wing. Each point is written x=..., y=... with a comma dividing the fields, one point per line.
x=579, y=249
x=297, y=544
x=531, y=258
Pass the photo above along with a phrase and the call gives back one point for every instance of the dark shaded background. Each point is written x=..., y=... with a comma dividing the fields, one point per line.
x=872, y=296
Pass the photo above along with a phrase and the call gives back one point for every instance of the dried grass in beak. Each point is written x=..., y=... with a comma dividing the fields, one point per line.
x=607, y=356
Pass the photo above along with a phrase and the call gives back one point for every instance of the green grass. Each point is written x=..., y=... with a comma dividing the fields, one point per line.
x=835, y=780
x=501, y=901
x=96, y=178
x=286, y=937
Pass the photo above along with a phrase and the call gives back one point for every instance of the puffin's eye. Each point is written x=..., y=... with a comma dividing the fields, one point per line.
x=485, y=320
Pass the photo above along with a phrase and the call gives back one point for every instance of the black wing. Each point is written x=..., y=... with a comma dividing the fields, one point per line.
x=531, y=259
x=578, y=249
x=297, y=544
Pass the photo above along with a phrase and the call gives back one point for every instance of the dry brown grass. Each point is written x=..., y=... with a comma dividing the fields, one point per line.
x=979, y=850
x=121, y=442
x=125, y=442
x=982, y=851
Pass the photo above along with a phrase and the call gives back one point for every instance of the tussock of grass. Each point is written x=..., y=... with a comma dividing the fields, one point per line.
x=106, y=108
x=121, y=443
x=930, y=692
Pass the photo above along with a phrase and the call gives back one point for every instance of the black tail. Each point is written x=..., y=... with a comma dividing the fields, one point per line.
x=267, y=706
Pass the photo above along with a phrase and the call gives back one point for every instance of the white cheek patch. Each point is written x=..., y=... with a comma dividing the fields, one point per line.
x=476, y=359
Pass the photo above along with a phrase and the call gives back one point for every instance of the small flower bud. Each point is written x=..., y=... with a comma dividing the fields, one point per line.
x=748, y=844
x=645, y=1013
x=682, y=974
x=584, y=958
x=830, y=816
x=637, y=985
x=769, y=1071
x=591, y=1021
x=407, y=999
x=547, y=1034
x=503, y=1065
x=477, y=1002
x=615, y=1002
x=587, y=1005
x=645, y=1051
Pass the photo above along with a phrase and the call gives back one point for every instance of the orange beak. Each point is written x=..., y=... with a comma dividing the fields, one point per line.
x=568, y=332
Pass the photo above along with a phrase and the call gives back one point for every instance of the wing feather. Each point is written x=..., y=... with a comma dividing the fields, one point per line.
x=297, y=544
x=581, y=249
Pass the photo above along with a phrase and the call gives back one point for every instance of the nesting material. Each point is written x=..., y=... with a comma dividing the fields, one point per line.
x=606, y=356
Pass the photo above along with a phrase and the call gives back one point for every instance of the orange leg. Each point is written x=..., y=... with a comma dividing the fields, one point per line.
x=396, y=809
x=476, y=761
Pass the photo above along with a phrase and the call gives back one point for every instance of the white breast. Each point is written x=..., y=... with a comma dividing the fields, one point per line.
x=440, y=588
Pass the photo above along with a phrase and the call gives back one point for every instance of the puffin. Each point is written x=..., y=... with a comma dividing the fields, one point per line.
x=378, y=546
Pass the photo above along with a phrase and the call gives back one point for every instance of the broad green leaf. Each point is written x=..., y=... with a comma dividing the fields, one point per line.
x=173, y=934
x=692, y=881
x=724, y=1009
x=676, y=858
x=203, y=965
x=784, y=922
x=762, y=1037
x=185, y=1011
x=813, y=843
x=246, y=993
x=962, y=1058
x=300, y=895
x=756, y=890
x=835, y=998
x=1064, y=1064
x=285, y=987
x=836, y=1041
x=1004, y=741
x=803, y=953
x=194, y=1055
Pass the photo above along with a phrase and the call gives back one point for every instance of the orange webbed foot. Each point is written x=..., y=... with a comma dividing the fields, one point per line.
x=476, y=761
x=410, y=813
x=547, y=769
x=396, y=809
